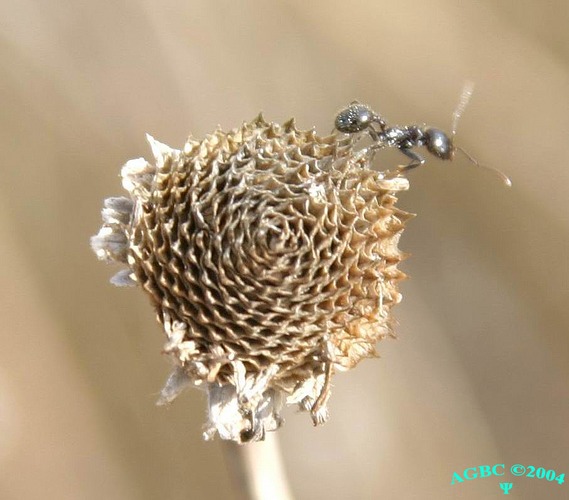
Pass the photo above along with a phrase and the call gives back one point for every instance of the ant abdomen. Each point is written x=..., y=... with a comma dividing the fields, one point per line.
x=356, y=118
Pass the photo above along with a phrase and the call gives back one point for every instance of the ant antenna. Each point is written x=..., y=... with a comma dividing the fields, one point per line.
x=502, y=175
x=465, y=96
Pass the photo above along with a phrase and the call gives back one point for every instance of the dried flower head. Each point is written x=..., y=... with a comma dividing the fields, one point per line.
x=270, y=255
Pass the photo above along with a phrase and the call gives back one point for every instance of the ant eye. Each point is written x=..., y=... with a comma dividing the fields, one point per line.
x=354, y=118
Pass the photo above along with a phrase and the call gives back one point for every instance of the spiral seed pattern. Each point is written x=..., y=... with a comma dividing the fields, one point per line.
x=269, y=247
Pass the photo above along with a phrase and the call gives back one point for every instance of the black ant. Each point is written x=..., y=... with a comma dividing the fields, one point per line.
x=359, y=117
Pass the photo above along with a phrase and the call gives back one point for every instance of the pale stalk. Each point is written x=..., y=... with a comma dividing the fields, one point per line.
x=257, y=469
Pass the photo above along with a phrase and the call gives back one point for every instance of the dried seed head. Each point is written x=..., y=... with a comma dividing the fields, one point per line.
x=270, y=255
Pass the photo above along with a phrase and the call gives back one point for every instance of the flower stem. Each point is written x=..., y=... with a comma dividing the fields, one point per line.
x=257, y=470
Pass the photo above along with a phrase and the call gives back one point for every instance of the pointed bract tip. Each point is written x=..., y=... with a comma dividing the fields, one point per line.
x=290, y=125
x=160, y=151
x=260, y=119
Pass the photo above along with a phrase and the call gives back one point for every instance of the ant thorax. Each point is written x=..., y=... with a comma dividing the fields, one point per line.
x=410, y=136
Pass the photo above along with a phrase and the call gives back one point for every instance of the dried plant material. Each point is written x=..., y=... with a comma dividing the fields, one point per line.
x=270, y=255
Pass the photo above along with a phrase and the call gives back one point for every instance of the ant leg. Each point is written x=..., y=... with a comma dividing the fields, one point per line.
x=372, y=148
x=378, y=139
x=373, y=134
x=378, y=142
x=417, y=160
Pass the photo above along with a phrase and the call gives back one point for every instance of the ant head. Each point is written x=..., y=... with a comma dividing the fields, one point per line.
x=439, y=144
x=355, y=118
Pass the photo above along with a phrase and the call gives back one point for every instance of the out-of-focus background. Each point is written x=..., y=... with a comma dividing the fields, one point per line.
x=480, y=372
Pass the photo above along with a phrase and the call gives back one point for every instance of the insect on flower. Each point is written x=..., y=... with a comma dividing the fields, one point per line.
x=270, y=256
x=359, y=117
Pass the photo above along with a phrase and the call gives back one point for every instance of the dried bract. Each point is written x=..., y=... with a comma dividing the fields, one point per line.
x=270, y=255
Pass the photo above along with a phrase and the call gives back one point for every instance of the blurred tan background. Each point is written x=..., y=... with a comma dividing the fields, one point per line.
x=480, y=373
